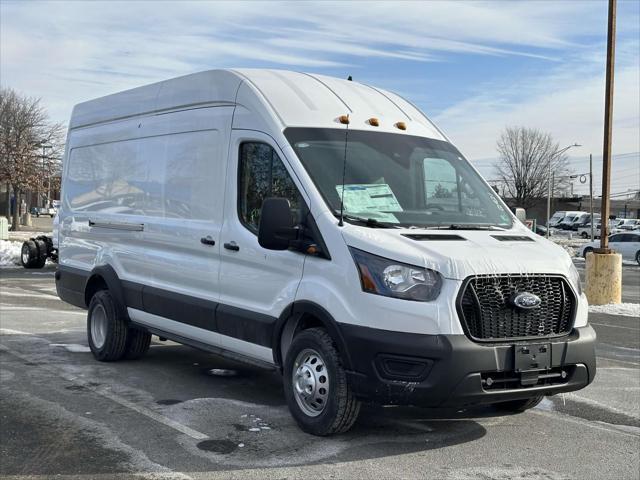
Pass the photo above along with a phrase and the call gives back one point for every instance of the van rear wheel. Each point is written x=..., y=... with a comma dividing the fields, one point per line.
x=138, y=342
x=107, y=331
x=315, y=385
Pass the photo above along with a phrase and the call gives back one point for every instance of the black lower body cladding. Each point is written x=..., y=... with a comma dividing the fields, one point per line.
x=441, y=370
x=382, y=366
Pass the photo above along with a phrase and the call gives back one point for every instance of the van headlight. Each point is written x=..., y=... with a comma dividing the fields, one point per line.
x=386, y=277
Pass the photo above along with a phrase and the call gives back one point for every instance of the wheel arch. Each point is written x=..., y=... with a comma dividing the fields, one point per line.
x=105, y=277
x=301, y=315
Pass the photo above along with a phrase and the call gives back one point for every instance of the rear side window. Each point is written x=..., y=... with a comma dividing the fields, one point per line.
x=172, y=176
x=261, y=174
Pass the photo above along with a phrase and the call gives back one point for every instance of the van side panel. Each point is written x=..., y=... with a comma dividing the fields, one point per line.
x=140, y=194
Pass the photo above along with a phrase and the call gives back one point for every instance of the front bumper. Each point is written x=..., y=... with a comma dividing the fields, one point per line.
x=451, y=370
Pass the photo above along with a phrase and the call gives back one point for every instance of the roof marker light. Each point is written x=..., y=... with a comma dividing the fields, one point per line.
x=373, y=121
x=344, y=119
x=401, y=126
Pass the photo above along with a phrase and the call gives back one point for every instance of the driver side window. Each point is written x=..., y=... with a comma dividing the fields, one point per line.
x=261, y=174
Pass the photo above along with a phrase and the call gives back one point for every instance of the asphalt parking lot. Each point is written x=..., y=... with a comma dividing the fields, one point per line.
x=181, y=413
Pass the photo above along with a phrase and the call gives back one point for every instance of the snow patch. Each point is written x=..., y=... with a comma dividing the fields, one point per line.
x=8, y=331
x=221, y=372
x=626, y=309
x=72, y=347
x=10, y=253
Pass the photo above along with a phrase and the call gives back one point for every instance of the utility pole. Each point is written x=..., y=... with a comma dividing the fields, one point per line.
x=550, y=181
x=591, y=196
x=603, y=270
x=553, y=186
x=548, y=200
x=608, y=117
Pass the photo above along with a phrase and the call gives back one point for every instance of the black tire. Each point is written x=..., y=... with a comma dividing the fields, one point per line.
x=341, y=408
x=584, y=235
x=138, y=342
x=519, y=406
x=114, y=341
x=29, y=256
x=638, y=257
x=586, y=251
x=42, y=252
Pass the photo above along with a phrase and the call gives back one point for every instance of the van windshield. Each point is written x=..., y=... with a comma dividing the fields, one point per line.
x=397, y=180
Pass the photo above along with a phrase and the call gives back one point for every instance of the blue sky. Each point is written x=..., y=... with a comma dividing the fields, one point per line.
x=473, y=67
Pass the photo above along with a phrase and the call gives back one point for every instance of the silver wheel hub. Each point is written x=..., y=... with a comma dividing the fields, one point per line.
x=25, y=255
x=310, y=380
x=98, y=322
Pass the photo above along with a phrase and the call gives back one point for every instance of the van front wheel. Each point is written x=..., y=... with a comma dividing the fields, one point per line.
x=315, y=385
x=107, y=331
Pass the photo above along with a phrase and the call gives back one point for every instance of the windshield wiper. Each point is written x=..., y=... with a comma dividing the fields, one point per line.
x=367, y=222
x=462, y=226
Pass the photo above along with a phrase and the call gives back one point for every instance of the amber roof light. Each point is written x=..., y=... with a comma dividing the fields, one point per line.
x=401, y=126
x=373, y=121
x=344, y=119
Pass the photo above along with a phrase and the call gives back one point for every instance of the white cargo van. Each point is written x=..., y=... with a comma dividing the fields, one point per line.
x=318, y=225
x=569, y=218
x=556, y=218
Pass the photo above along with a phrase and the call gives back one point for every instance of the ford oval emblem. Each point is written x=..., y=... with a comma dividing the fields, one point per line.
x=526, y=301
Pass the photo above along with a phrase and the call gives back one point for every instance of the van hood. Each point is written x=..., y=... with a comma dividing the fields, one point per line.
x=458, y=254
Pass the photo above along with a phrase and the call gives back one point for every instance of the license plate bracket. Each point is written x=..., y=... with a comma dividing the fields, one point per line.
x=532, y=357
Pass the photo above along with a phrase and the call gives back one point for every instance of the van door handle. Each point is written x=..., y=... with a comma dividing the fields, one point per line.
x=232, y=246
x=207, y=240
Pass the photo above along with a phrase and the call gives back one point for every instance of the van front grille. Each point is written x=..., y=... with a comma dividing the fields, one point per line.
x=487, y=311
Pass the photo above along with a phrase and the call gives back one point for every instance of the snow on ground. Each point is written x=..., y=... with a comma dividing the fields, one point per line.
x=627, y=309
x=572, y=245
x=10, y=253
x=22, y=236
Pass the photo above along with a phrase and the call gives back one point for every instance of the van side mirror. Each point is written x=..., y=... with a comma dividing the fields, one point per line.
x=276, y=230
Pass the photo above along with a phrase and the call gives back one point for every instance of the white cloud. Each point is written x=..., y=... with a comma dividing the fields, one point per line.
x=567, y=101
x=67, y=52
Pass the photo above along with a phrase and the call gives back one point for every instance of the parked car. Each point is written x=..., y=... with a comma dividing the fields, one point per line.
x=542, y=230
x=585, y=231
x=256, y=228
x=626, y=244
x=628, y=224
x=38, y=211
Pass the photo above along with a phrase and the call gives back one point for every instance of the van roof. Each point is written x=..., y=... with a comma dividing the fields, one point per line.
x=290, y=98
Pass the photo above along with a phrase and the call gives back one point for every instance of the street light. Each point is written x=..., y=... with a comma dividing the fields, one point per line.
x=550, y=181
x=45, y=146
x=581, y=176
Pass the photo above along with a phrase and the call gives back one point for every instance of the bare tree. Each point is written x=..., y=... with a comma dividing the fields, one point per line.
x=523, y=166
x=25, y=129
